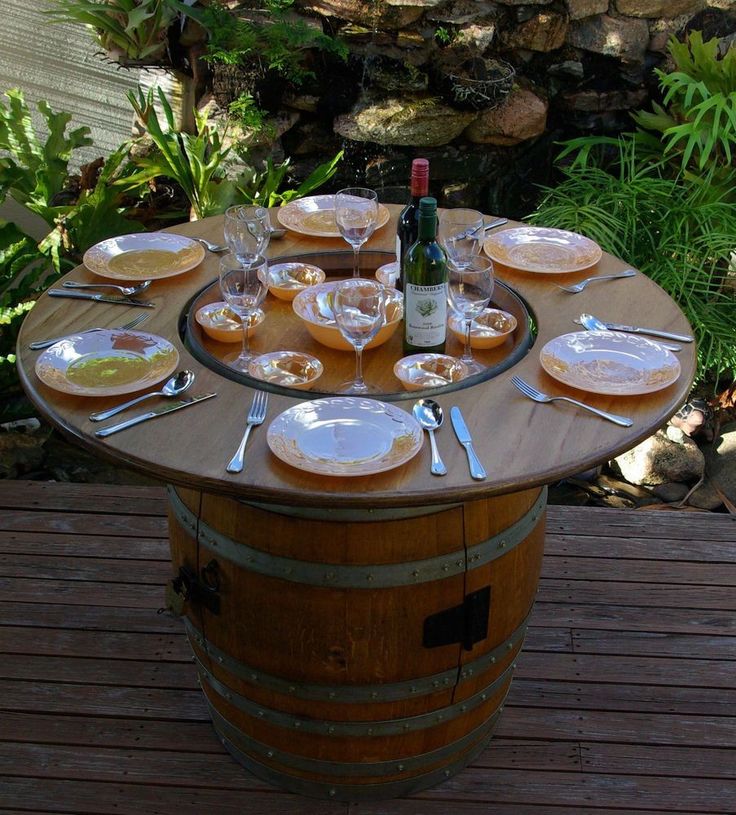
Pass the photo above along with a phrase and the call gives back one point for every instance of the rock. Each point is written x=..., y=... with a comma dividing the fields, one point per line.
x=599, y=101
x=371, y=15
x=20, y=454
x=658, y=8
x=461, y=12
x=577, y=9
x=622, y=37
x=659, y=460
x=523, y=2
x=720, y=461
x=660, y=32
x=477, y=37
x=542, y=32
x=522, y=116
x=705, y=496
x=416, y=122
x=671, y=492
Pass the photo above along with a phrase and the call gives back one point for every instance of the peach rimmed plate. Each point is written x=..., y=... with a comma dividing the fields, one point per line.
x=106, y=362
x=609, y=362
x=291, y=369
x=315, y=216
x=143, y=256
x=345, y=436
x=539, y=249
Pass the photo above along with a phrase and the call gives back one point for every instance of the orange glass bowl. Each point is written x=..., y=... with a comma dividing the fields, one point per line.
x=420, y=371
x=488, y=330
x=327, y=333
x=222, y=325
x=286, y=280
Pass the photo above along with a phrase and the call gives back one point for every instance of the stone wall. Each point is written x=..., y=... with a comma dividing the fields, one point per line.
x=579, y=66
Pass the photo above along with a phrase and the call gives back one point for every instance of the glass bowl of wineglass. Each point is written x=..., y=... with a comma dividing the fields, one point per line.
x=460, y=234
x=247, y=231
x=244, y=287
x=469, y=291
x=360, y=311
x=356, y=215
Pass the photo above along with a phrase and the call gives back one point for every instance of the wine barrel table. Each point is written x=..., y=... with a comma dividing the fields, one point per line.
x=356, y=637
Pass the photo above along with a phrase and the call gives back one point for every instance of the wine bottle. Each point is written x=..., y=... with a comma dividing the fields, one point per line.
x=425, y=286
x=406, y=232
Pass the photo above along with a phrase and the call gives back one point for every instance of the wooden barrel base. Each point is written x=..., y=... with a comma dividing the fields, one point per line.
x=356, y=654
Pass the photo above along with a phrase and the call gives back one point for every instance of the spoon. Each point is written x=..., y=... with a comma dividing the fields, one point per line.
x=430, y=416
x=592, y=323
x=173, y=387
x=128, y=291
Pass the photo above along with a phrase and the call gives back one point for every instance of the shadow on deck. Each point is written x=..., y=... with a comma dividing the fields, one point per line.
x=624, y=699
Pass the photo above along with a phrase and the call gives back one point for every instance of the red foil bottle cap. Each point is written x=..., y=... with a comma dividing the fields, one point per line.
x=419, y=177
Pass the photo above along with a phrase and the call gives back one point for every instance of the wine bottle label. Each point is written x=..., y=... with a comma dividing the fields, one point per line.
x=425, y=314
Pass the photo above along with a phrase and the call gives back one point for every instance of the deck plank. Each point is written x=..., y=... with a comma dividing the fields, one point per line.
x=624, y=698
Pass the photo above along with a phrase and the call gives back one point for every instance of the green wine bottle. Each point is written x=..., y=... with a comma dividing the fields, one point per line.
x=425, y=287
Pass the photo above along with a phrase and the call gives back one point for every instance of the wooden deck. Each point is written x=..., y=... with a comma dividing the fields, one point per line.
x=624, y=700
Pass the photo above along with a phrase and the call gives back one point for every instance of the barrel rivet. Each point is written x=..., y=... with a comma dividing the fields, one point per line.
x=406, y=727
x=447, y=773
x=370, y=731
x=374, y=695
x=502, y=545
x=459, y=563
x=297, y=724
x=445, y=568
x=292, y=689
x=261, y=714
x=509, y=646
x=330, y=729
x=513, y=666
x=400, y=768
x=333, y=793
x=220, y=659
x=440, y=717
x=228, y=696
x=270, y=753
x=330, y=576
x=484, y=696
x=493, y=660
x=412, y=689
x=436, y=683
x=500, y=708
x=254, y=677
x=332, y=694
x=415, y=573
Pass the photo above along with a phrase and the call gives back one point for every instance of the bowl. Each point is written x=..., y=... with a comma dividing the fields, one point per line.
x=420, y=371
x=223, y=325
x=286, y=280
x=324, y=329
x=291, y=369
x=388, y=274
x=489, y=329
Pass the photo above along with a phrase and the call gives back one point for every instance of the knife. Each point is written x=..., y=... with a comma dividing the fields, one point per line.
x=159, y=411
x=99, y=298
x=655, y=332
x=463, y=436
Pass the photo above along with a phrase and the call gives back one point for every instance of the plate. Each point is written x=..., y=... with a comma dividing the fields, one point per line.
x=315, y=216
x=106, y=362
x=609, y=362
x=291, y=369
x=345, y=436
x=538, y=249
x=143, y=256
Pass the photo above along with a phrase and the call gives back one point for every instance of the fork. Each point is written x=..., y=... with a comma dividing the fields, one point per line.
x=39, y=344
x=256, y=415
x=538, y=396
x=128, y=291
x=574, y=289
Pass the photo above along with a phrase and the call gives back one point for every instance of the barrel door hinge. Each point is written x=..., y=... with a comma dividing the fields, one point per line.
x=466, y=623
x=188, y=587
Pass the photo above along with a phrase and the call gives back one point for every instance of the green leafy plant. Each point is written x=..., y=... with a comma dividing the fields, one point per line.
x=697, y=125
x=274, y=42
x=443, y=35
x=249, y=116
x=134, y=29
x=196, y=161
x=264, y=186
x=678, y=233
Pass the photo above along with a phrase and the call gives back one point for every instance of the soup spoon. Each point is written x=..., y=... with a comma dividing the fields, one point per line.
x=592, y=323
x=173, y=387
x=128, y=291
x=430, y=416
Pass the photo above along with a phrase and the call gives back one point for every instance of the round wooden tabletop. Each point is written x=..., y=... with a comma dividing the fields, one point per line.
x=521, y=443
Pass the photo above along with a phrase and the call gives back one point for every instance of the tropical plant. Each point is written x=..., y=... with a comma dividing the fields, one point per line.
x=196, y=161
x=697, y=125
x=136, y=30
x=678, y=233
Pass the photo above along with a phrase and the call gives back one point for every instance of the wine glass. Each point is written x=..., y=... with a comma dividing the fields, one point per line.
x=244, y=286
x=469, y=291
x=461, y=235
x=356, y=214
x=360, y=311
x=247, y=231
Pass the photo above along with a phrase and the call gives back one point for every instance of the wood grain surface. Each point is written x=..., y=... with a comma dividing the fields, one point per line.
x=521, y=443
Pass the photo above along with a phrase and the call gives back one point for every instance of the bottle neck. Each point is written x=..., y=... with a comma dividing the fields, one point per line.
x=427, y=228
x=419, y=186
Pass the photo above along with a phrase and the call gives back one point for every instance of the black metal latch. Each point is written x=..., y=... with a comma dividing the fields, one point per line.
x=188, y=587
x=466, y=623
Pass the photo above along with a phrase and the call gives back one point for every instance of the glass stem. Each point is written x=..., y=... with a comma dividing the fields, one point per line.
x=245, y=353
x=359, y=366
x=467, y=352
x=356, y=249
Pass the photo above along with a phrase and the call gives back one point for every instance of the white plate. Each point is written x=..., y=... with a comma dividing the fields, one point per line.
x=106, y=363
x=144, y=256
x=537, y=249
x=315, y=216
x=609, y=362
x=345, y=436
